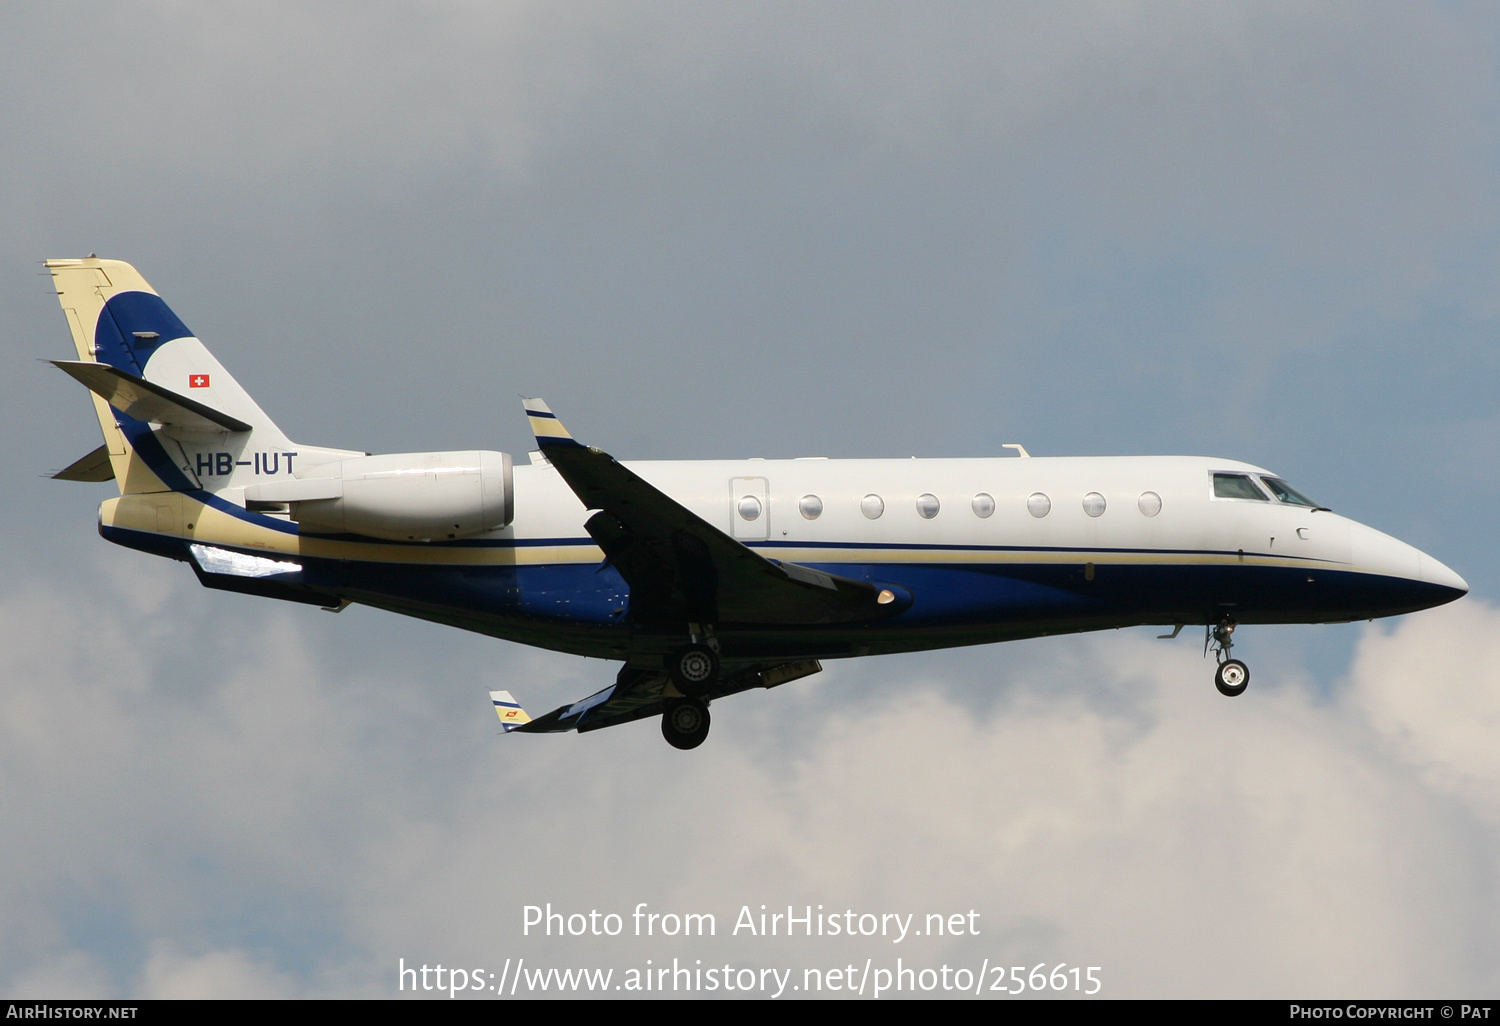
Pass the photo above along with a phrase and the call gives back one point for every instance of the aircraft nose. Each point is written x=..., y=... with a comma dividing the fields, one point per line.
x=1411, y=578
x=1433, y=572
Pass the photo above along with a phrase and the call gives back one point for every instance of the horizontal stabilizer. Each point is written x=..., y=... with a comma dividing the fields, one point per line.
x=509, y=710
x=141, y=400
x=93, y=467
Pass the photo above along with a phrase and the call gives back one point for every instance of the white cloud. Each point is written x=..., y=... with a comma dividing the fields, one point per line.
x=1431, y=684
x=217, y=975
x=286, y=829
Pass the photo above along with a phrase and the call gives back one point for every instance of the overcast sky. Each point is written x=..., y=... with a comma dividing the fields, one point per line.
x=1258, y=231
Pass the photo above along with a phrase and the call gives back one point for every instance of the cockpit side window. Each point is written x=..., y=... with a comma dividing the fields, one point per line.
x=1286, y=493
x=1237, y=486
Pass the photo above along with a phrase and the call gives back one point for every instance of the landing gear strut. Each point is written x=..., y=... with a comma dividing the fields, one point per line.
x=684, y=723
x=1232, y=676
x=694, y=669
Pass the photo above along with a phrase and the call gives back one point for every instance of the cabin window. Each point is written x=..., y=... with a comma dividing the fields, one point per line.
x=1038, y=505
x=810, y=506
x=984, y=505
x=1149, y=503
x=1286, y=493
x=1236, y=486
x=928, y=505
x=1093, y=504
x=872, y=506
x=749, y=507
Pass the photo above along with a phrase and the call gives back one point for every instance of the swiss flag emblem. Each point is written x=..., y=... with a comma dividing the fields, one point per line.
x=197, y=381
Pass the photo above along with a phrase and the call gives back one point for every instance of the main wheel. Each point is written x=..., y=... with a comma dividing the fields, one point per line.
x=694, y=669
x=684, y=723
x=1232, y=678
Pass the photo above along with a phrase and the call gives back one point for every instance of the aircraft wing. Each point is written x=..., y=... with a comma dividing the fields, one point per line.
x=637, y=694
x=682, y=569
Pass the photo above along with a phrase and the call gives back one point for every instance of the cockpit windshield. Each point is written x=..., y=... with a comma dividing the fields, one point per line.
x=1286, y=493
x=1236, y=486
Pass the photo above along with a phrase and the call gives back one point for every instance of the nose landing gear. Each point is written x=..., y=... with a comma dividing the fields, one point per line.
x=1232, y=676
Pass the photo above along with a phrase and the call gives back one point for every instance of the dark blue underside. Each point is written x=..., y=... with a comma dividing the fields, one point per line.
x=581, y=608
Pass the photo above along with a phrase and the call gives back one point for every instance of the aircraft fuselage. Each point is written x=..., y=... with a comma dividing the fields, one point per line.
x=1065, y=544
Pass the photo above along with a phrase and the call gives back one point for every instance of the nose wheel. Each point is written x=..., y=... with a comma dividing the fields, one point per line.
x=1232, y=676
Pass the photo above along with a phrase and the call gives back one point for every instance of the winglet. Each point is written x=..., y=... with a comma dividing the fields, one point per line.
x=550, y=434
x=509, y=710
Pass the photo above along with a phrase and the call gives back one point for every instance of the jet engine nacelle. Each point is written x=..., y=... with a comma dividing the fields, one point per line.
x=409, y=496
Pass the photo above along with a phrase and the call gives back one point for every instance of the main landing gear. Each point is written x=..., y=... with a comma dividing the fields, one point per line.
x=694, y=670
x=684, y=723
x=1232, y=676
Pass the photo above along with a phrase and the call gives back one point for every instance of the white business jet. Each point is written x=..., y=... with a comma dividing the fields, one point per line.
x=702, y=578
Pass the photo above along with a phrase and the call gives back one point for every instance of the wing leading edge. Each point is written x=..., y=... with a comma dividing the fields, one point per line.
x=681, y=568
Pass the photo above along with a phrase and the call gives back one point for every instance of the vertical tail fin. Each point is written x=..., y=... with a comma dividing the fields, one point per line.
x=117, y=320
